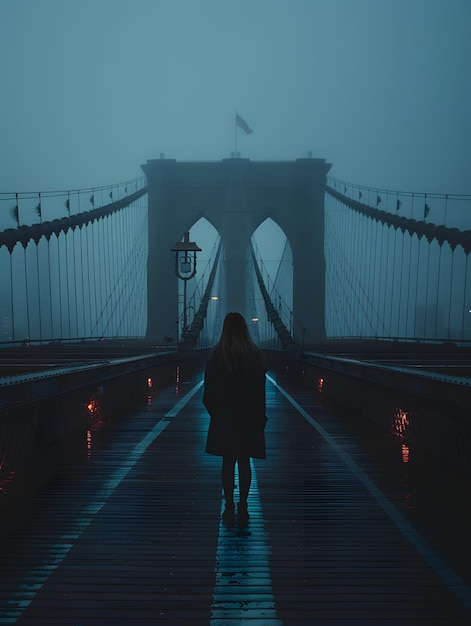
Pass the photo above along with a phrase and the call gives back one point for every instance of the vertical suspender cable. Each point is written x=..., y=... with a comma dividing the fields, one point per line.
x=114, y=274
x=97, y=270
x=122, y=272
x=119, y=270
x=127, y=309
x=101, y=266
x=88, y=228
x=356, y=256
x=346, y=302
x=67, y=283
x=417, y=284
x=134, y=277
x=91, y=273
x=67, y=278
x=37, y=269
x=109, y=320
x=124, y=243
x=356, y=264
x=355, y=277
x=12, y=302
x=349, y=299
x=362, y=273
x=101, y=275
x=351, y=263
x=384, y=269
x=110, y=291
x=82, y=294
x=61, y=330
x=26, y=291
x=118, y=274
x=465, y=306
x=82, y=271
x=39, y=290
x=451, y=291
x=426, y=290
x=327, y=255
x=112, y=262
x=340, y=247
x=370, y=275
x=131, y=278
x=124, y=269
x=416, y=275
x=437, y=299
x=367, y=276
x=74, y=265
x=48, y=239
x=408, y=286
x=393, y=283
x=108, y=286
x=427, y=278
x=337, y=237
x=377, y=275
x=401, y=279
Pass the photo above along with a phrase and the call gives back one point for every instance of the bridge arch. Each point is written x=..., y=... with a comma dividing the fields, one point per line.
x=207, y=238
x=274, y=257
x=236, y=196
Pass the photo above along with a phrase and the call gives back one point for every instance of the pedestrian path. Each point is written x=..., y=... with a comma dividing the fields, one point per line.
x=346, y=527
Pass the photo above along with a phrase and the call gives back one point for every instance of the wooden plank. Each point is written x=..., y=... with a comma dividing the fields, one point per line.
x=146, y=552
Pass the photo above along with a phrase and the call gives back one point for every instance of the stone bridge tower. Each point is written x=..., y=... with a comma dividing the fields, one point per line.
x=236, y=196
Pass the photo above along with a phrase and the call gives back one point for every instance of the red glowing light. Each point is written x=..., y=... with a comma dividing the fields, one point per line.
x=400, y=421
x=93, y=407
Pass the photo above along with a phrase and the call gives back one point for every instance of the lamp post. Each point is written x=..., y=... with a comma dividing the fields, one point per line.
x=185, y=268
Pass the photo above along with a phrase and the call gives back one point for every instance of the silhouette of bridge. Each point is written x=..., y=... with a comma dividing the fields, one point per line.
x=368, y=308
x=392, y=266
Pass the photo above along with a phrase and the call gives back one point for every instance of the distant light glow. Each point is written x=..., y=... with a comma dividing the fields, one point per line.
x=177, y=379
x=93, y=407
x=400, y=421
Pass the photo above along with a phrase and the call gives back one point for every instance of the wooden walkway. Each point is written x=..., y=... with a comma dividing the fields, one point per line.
x=347, y=527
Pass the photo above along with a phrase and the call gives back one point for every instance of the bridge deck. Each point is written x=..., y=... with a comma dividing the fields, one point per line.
x=347, y=527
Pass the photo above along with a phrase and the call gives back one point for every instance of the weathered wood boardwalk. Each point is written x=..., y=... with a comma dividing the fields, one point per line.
x=347, y=526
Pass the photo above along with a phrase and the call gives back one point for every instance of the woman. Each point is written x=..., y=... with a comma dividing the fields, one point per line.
x=234, y=396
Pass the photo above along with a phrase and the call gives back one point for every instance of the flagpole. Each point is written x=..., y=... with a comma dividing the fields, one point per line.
x=235, y=135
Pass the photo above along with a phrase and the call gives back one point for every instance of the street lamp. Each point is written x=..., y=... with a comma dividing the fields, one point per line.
x=185, y=268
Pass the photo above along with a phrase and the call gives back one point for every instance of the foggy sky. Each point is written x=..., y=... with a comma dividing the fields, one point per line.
x=91, y=89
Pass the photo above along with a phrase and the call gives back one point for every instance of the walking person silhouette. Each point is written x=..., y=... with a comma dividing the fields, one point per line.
x=234, y=396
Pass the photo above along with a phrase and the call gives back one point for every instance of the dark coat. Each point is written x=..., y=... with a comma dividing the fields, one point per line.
x=236, y=405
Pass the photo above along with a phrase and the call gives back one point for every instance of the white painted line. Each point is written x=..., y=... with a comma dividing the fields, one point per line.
x=24, y=595
x=452, y=580
x=243, y=589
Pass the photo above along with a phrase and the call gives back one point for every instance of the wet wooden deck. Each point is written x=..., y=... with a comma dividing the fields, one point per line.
x=347, y=527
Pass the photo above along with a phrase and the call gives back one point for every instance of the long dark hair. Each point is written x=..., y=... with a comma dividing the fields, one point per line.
x=235, y=350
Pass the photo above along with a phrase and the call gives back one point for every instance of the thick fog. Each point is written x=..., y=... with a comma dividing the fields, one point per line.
x=91, y=89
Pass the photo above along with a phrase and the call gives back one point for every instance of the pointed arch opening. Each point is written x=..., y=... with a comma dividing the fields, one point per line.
x=207, y=238
x=274, y=256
